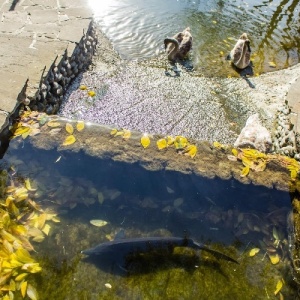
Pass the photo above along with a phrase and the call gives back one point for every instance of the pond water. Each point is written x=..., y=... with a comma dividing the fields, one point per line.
x=226, y=215
x=137, y=29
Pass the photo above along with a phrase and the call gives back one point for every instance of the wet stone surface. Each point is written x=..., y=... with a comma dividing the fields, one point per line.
x=140, y=96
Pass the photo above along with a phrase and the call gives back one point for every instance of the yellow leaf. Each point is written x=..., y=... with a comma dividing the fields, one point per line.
x=91, y=93
x=254, y=251
x=46, y=229
x=113, y=131
x=98, y=223
x=145, y=141
x=118, y=133
x=191, y=151
x=32, y=267
x=53, y=124
x=83, y=87
x=12, y=285
x=221, y=53
x=23, y=256
x=215, y=22
x=21, y=276
x=70, y=139
x=180, y=142
x=23, y=288
x=127, y=134
x=170, y=140
x=272, y=64
x=69, y=128
x=38, y=238
x=28, y=185
x=31, y=292
x=275, y=258
x=279, y=286
x=80, y=125
x=21, y=130
x=294, y=174
x=245, y=171
x=161, y=144
x=55, y=219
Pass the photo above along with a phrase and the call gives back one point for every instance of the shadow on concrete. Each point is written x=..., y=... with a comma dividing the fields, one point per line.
x=13, y=5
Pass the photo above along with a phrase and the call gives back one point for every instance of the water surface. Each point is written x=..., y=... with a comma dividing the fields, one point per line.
x=226, y=215
x=137, y=29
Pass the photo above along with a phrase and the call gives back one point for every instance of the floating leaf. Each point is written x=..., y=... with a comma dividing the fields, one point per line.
x=108, y=285
x=28, y=185
x=55, y=131
x=234, y=152
x=127, y=134
x=80, y=125
x=53, y=124
x=98, y=223
x=274, y=258
x=91, y=93
x=46, y=229
x=215, y=22
x=279, y=286
x=31, y=292
x=70, y=139
x=100, y=198
x=145, y=141
x=21, y=276
x=69, y=128
x=191, y=151
x=82, y=87
x=161, y=144
x=254, y=251
x=245, y=171
x=23, y=288
x=21, y=130
x=180, y=142
x=113, y=131
x=177, y=202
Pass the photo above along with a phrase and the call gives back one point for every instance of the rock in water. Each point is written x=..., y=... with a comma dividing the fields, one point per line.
x=254, y=135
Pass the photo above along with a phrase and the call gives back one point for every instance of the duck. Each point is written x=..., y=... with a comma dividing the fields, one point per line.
x=178, y=46
x=240, y=54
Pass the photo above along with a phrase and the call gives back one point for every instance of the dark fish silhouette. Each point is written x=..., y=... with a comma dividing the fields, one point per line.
x=129, y=246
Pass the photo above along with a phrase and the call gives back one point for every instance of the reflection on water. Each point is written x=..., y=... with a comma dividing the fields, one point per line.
x=137, y=29
x=230, y=217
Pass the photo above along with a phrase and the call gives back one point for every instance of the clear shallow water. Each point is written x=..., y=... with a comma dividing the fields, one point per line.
x=226, y=215
x=137, y=29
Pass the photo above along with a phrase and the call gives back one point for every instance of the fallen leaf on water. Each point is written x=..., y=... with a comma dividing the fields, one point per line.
x=29, y=186
x=55, y=131
x=23, y=288
x=70, y=139
x=46, y=229
x=113, y=131
x=279, y=286
x=215, y=22
x=245, y=171
x=177, y=202
x=170, y=140
x=191, y=151
x=100, y=198
x=108, y=285
x=53, y=124
x=98, y=223
x=31, y=292
x=69, y=128
x=145, y=141
x=127, y=134
x=161, y=144
x=254, y=251
x=274, y=258
x=80, y=125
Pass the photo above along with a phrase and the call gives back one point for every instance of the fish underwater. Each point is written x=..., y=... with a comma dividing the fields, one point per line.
x=118, y=250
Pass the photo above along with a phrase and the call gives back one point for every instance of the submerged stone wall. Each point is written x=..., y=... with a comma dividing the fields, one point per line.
x=54, y=84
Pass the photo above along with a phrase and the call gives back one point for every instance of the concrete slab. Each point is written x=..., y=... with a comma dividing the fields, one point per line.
x=32, y=34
